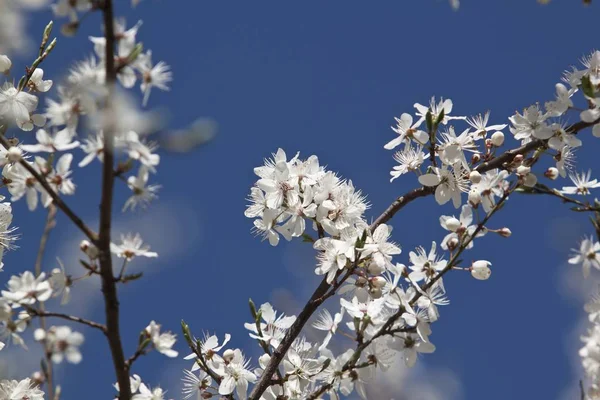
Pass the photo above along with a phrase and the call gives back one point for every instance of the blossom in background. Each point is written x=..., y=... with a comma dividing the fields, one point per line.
x=588, y=255
x=62, y=343
x=163, y=342
x=132, y=246
x=27, y=289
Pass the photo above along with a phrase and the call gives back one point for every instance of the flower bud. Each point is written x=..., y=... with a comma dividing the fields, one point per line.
x=518, y=159
x=551, y=173
x=14, y=154
x=523, y=170
x=361, y=281
x=452, y=243
x=504, y=232
x=474, y=198
x=39, y=334
x=497, y=139
x=89, y=249
x=5, y=64
x=530, y=180
x=228, y=355
x=452, y=224
x=475, y=158
x=264, y=360
x=475, y=177
x=375, y=269
x=37, y=377
x=488, y=143
x=376, y=293
x=378, y=282
x=481, y=270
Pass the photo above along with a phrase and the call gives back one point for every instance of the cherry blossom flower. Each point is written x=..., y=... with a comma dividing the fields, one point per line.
x=583, y=184
x=530, y=125
x=449, y=184
x=406, y=131
x=196, y=385
x=163, y=342
x=411, y=345
x=37, y=83
x=24, y=389
x=132, y=246
x=425, y=265
x=63, y=343
x=480, y=124
x=236, y=375
x=27, y=289
x=16, y=106
x=588, y=255
x=327, y=323
x=153, y=76
x=60, y=141
x=273, y=329
x=143, y=194
x=409, y=159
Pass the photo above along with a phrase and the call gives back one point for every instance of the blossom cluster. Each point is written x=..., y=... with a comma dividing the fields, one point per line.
x=386, y=306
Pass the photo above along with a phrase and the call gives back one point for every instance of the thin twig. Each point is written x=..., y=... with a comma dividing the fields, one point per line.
x=48, y=370
x=41, y=313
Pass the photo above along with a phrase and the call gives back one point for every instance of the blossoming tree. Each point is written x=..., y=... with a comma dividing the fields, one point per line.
x=387, y=303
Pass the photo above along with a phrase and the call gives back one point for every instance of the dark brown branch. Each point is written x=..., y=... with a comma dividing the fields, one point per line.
x=109, y=289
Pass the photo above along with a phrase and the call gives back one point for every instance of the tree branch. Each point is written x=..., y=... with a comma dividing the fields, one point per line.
x=42, y=313
x=109, y=289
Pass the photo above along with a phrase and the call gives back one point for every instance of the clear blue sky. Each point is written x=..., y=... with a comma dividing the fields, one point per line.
x=327, y=79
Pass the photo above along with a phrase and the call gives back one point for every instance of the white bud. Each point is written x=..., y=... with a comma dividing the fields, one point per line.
x=264, y=360
x=498, y=139
x=504, y=232
x=523, y=170
x=14, y=154
x=530, y=180
x=89, y=249
x=474, y=197
x=452, y=243
x=37, y=377
x=375, y=269
x=376, y=293
x=5, y=64
x=39, y=334
x=452, y=224
x=475, y=177
x=481, y=270
x=228, y=355
x=378, y=282
x=551, y=173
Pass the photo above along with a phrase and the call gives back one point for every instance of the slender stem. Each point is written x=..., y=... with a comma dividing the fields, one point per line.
x=109, y=289
x=50, y=224
x=42, y=313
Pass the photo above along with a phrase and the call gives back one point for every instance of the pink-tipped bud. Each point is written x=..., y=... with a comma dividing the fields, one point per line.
x=378, y=282
x=551, y=173
x=452, y=243
x=475, y=158
x=504, y=232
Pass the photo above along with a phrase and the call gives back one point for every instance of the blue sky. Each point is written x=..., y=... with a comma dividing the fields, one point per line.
x=327, y=79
